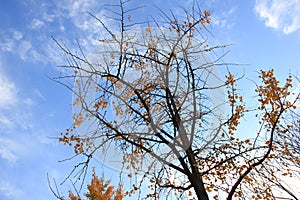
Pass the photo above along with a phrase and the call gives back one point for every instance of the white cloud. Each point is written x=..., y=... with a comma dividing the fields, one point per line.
x=28, y=101
x=36, y=23
x=52, y=17
x=8, y=150
x=8, y=92
x=7, y=45
x=52, y=54
x=62, y=28
x=9, y=40
x=17, y=35
x=77, y=10
x=5, y=122
x=39, y=94
x=85, y=23
x=7, y=155
x=24, y=48
x=78, y=7
x=9, y=190
x=279, y=14
x=14, y=112
x=12, y=41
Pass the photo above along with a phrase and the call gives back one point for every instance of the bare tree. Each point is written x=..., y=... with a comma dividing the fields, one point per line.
x=152, y=97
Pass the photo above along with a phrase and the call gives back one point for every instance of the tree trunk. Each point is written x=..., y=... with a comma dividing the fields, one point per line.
x=198, y=187
x=195, y=177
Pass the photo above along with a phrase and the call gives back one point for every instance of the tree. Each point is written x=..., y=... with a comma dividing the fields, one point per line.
x=99, y=189
x=153, y=101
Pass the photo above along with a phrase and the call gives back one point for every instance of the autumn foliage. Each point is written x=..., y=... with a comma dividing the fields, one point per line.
x=152, y=100
x=99, y=189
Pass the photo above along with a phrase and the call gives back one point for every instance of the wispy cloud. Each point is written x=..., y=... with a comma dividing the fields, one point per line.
x=37, y=93
x=280, y=15
x=223, y=19
x=8, y=150
x=8, y=92
x=14, y=111
x=54, y=18
x=5, y=122
x=85, y=26
x=17, y=35
x=9, y=40
x=24, y=48
x=9, y=191
x=36, y=23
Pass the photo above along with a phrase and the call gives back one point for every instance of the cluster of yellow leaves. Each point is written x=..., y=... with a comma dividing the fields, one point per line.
x=234, y=98
x=80, y=144
x=230, y=80
x=210, y=188
x=73, y=197
x=111, y=79
x=99, y=189
x=271, y=93
x=153, y=182
x=77, y=101
x=272, y=99
x=148, y=29
x=134, y=161
x=222, y=174
x=187, y=26
x=206, y=19
x=70, y=140
x=101, y=103
x=273, y=96
x=132, y=191
x=78, y=119
x=153, y=195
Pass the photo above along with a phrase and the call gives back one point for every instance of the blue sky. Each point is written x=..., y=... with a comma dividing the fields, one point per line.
x=264, y=33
